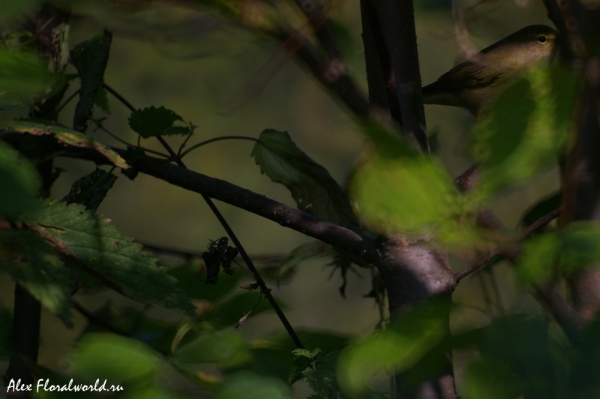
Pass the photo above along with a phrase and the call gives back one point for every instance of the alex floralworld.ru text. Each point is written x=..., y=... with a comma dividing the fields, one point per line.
x=44, y=384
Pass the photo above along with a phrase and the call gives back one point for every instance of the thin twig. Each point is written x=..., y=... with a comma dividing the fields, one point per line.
x=217, y=139
x=497, y=252
x=544, y=220
x=265, y=290
x=67, y=101
x=459, y=275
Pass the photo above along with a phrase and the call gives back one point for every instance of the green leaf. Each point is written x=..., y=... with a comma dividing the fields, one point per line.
x=19, y=184
x=29, y=260
x=66, y=136
x=14, y=8
x=90, y=59
x=105, y=249
x=527, y=127
x=298, y=255
x=192, y=279
x=150, y=122
x=246, y=385
x=313, y=188
x=226, y=349
x=518, y=356
x=574, y=248
x=538, y=261
x=394, y=350
x=102, y=100
x=91, y=189
x=23, y=77
x=114, y=358
x=229, y=312
x=414, y=195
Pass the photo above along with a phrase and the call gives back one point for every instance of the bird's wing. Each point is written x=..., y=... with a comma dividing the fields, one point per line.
x=466, y=75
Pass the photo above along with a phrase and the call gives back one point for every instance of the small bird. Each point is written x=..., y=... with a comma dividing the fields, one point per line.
x=474, y=84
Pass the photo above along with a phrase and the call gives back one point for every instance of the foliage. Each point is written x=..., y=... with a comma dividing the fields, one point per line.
x=58, y=249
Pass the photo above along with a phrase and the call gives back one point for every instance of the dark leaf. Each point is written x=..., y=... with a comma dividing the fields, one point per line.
x=91, y=189
x=313, y=188
x=151, y=122
x=90, y=59
x=218, y=255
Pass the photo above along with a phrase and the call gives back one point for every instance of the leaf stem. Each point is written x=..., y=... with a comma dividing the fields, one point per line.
x=217, y=139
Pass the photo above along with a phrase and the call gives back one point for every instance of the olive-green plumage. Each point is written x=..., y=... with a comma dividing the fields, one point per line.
x=475, y=83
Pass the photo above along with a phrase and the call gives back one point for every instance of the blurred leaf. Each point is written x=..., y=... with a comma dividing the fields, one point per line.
x=150, y=122
x=91, y=189
x=246, y=385
x=583, y=381
x=29, y=260
x=411, y=337
x=14, y=8
x=580, y=246
x=230, y=311
x=66, y=136
x=540, y=209
x=387, y=144
x=226, y=349
x=19, y=184
x=576, y=247
x=192, y=279
x=23, y=77
x=413, y=195
x=526, y=128
x=105, y=249
x=538, y=261
x=491, y=379
x=114, y=358
x=523, y=358
x=313, y=188
x=90, y=59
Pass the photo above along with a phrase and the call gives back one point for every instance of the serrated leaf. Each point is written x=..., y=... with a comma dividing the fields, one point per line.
x=152, y=121
x=37, y=268
x=19, y=184
x=91, y=189
x=313, y=188
x=115, y=358
x=23, y=77
x=68, y=137
x=92, y=240
x=90, y=59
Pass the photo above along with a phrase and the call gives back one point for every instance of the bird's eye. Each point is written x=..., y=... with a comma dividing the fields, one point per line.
x=542, y=39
